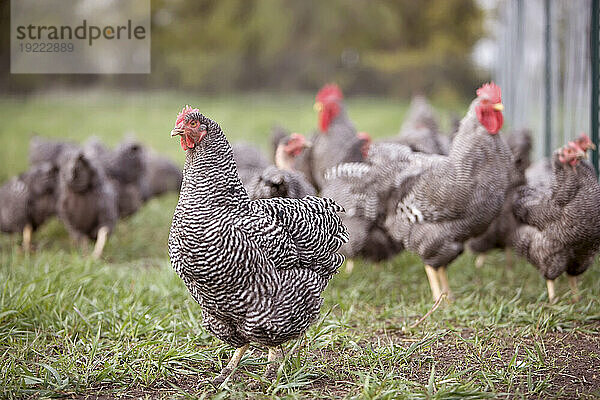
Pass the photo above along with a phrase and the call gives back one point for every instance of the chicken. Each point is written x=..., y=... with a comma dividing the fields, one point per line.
x=420, y=130
x=500, y=233
x=301, y=161
x=256, y=267
x=281, y=180
x=161, y=175
x=539, y=174
x=26, y=201
x=561, y=228
x=336, y=141
x=439, y=202
x=125, y=167
x=87, y=200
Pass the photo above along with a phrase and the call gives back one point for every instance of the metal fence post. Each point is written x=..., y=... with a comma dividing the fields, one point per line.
x=594, y=44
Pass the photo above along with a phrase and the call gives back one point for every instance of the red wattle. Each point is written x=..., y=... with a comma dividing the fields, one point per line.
x=182, y=140
x=189, y=142
x=491, y=119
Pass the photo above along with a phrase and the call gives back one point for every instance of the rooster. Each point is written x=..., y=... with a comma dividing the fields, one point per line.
x=561, y=227
x=256, y=267
x=439, y=202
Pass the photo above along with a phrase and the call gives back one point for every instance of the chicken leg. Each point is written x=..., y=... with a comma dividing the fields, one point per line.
x=443, y=279
x=551, y=291
x=479, y=260
x=349, y=266
x=434, y=283
x=271, y=370
x=100, y=242
x=573, y=286
x=233, y=363
x=27, y=232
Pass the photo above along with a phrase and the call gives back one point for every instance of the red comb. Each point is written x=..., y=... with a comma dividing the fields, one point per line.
x=184, y=111
x=491, y=91
x=329, y=92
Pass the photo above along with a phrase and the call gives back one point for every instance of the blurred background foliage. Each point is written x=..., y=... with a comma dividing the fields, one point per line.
x=375, y=47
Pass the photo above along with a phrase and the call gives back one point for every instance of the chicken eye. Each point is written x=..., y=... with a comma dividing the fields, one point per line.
x=193, y=124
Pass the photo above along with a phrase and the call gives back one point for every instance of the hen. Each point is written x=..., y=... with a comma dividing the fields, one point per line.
x=500, y=233
x=161, y=175
x=561, y=228
x=439, y=202
x=256, y=267
x=281, y=179
x=87, y=200
x=26, y=201
x=420, y=130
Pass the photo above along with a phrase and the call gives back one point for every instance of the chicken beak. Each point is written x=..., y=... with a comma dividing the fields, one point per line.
x=177, y=132
x=318, y=106
x=592, y=146
x=499, y=107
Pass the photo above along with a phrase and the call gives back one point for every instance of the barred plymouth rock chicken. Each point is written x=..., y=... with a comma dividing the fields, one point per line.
x=561, y=228
x=439, y=202
x=87, y=200
x=281, y=180
x=26, y=201
x=256, y=267
x=337, y=141
x=48, y=150
x=500, y=233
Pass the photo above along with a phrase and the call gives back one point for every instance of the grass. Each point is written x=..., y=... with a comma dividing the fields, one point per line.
x=126, y=326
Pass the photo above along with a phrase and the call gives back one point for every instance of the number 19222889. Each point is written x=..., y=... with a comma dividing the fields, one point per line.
x=46, y=47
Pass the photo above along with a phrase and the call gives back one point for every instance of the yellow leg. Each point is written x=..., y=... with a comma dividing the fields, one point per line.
x=573, y=286
x=271, y=370
x=349, y=266
x=27, y=232
x=100, y=242
x=479, y=260
x=443, y=279
x=434, y=284
x=231, y=365
x=551, y=291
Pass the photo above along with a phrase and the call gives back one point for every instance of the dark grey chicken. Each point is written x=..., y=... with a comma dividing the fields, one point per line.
x=561, y=228
x=125, y=167
x=439, y=202
x=337, y=141
x=500, y=233
x=256, y=267
x=87, y=200
x=161, y=175
x=26, y=201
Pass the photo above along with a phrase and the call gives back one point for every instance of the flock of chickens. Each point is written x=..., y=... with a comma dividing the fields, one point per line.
x=256, y=247
x=89, y=187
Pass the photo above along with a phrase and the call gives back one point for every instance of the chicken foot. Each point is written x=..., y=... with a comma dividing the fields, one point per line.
x=271, y=370
x=27, y=232
x=100, y=242
x=233, y=363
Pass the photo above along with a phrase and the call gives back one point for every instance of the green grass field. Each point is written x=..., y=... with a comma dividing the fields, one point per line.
x=127, y=327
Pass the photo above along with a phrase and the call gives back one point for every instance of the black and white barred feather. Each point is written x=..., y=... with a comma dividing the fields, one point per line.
x=258, y=267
